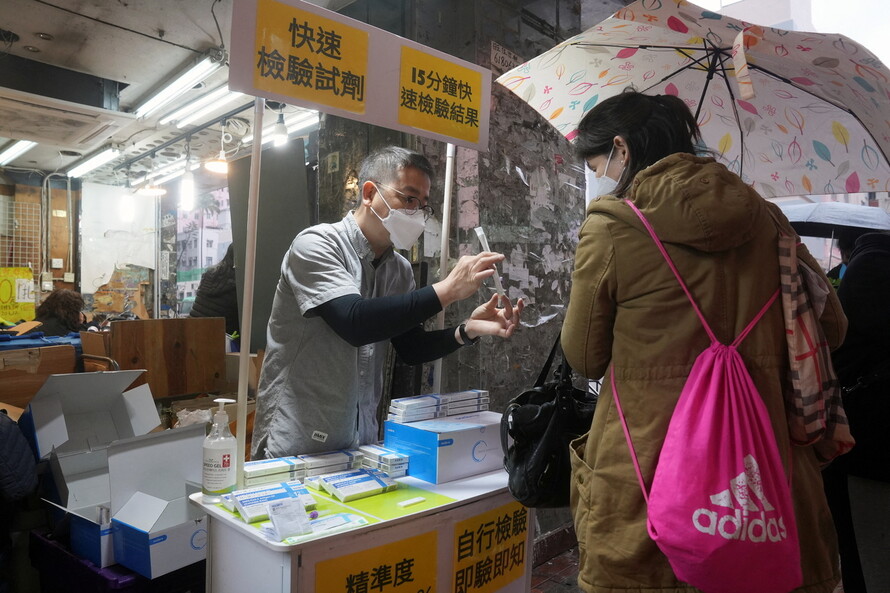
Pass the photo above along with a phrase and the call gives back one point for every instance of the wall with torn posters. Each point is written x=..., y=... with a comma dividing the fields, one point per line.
x=527, y=191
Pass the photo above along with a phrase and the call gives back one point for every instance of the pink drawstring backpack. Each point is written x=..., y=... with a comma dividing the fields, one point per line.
x=720, y=505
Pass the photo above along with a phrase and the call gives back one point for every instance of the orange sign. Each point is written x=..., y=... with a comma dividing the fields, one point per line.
x=439, y=96
x=403, y=566
x=490, y=549
x=304, y=55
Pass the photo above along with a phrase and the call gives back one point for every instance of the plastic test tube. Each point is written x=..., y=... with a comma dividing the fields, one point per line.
x=480, y=232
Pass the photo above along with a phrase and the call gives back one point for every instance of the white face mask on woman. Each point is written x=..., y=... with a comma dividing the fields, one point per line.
x=603, y=185
x=404, y=229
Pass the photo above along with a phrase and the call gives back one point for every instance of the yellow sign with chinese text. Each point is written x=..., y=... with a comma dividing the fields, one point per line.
x=403, y=566
x=439, y=96
x=304, y=55
x=490, y=549
x=16, y=295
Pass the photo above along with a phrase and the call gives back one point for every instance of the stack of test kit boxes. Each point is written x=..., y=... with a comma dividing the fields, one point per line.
x=353, y=484
x=332, y=461
x=277, y=470
x=252, y=503
x=427, y=407
x=393, y=463
x=343, y=474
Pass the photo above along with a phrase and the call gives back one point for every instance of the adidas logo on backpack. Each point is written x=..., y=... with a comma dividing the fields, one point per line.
x=743, y=522
x=746, y=539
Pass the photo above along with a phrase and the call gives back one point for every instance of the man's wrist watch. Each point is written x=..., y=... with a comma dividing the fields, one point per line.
x=467, y=340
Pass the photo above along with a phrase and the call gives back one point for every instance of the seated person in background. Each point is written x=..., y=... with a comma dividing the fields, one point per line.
x=60, y=313
x=217, y=295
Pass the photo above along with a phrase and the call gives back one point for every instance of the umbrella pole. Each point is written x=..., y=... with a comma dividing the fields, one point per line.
x=712, y=68
x=831, y=249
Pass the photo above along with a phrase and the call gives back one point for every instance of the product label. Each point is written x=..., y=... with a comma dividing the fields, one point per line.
x=219, y=472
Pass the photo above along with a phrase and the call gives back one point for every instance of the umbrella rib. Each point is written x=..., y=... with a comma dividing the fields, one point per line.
x=679, y=48
x=738, y=122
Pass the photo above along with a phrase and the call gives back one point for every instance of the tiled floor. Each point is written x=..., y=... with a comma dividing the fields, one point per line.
x=557, y=575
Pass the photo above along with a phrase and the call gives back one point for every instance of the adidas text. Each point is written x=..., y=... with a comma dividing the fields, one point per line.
x=739, y=525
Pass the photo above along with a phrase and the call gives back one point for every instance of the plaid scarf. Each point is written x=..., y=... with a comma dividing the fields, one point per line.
x=815, y=411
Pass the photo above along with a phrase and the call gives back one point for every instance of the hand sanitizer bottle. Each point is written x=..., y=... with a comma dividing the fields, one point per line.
x=219, y=457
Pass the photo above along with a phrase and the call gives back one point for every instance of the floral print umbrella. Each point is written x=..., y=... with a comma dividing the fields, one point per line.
x=792, y=113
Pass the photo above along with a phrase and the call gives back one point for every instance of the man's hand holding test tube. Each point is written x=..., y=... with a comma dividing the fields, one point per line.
x=496, y=317
x=480, y=232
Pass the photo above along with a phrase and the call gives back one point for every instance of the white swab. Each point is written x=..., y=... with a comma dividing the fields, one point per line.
x=497, y=279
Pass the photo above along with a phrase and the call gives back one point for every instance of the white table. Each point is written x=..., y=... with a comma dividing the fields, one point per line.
x=477, y=540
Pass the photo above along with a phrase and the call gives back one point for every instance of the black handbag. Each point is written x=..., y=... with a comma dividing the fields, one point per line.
x=542, y=421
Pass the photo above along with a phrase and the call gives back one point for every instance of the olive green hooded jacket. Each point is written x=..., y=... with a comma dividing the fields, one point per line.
x=627, y=310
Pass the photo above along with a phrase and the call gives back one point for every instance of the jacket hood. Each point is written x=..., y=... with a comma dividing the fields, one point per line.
x=872, y=243
x=691, y=201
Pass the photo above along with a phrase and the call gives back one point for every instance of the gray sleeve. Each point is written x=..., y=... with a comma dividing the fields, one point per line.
x=317, y=271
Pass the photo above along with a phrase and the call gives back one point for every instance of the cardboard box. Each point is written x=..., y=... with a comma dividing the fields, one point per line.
x=156, y=530
x=448, y=448
x=72, y=420
x=233, y=366
x=83, y=411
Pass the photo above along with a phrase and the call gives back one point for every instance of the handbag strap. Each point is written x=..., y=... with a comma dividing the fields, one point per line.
x=564, y=376
x=542, y=378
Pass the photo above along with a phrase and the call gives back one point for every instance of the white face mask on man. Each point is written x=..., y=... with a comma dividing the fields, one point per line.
x=602, y=185
x=404, y=229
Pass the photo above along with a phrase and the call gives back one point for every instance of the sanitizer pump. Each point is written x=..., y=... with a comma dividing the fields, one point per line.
x=219, y=456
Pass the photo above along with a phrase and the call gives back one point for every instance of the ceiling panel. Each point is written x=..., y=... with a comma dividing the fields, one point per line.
x=139, y=43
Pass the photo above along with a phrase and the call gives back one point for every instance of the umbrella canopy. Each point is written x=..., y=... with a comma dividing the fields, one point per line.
x=828, y=219
x=792, y=113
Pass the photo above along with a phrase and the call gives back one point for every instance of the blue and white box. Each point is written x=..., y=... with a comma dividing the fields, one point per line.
x=252, y=503
x=156, y=529
x=72, y=419
x=449, y=448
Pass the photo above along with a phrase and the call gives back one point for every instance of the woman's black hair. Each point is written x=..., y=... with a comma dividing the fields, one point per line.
x=653, y=126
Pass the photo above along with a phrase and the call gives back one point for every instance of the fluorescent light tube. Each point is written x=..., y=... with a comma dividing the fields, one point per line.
x=161, y=171
x=177, y=173
x=16, y=150
x=296, y=124
x=187, y=80
x=208, y=109
x=195, y=105
x=201, y=106
x=94, y=162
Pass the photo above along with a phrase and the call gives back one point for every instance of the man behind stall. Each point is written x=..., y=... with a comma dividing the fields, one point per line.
x=343, y=293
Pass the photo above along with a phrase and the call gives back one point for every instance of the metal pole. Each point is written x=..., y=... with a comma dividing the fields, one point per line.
x=443, y=252
x=249, y=269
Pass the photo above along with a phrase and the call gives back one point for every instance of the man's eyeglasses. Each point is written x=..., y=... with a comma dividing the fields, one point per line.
x=412, y=204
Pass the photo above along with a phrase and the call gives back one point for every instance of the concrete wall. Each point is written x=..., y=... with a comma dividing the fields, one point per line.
x=526, y=191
